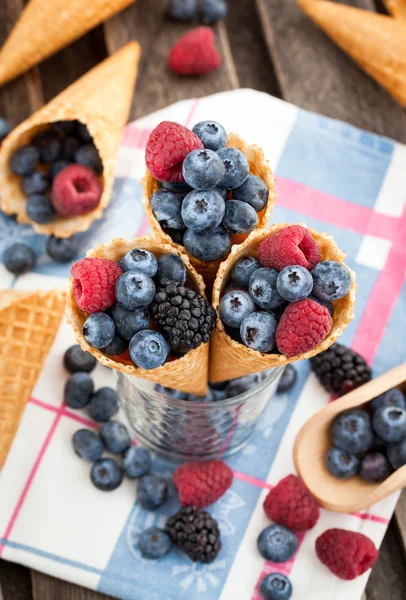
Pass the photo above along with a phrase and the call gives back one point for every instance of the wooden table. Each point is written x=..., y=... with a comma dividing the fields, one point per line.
x=267, y=45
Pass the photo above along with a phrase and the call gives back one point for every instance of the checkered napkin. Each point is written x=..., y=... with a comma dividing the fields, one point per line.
x=334, y=178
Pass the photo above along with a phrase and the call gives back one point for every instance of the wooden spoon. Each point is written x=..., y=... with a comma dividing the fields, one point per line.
x=314, y=440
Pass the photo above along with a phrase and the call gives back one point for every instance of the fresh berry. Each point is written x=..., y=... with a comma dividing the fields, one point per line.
x=166, y=149
x=276, y=586
x=240, y=385
x=290, y=504
x=78, y=390
x=117, y=346
x=235, y=307
x=342, y=464
x=292, y=245
x=209, y=397
x=288, y=380
x=139, y=260
x=211, y=11
x=103, y=405
x=70, y=146
x=98, y=330
x=277, y=543
x=135, y=289
x=196, y=533
x=239, y=217
x=149, y=349
x=181, y=10
x=35, y=183
x=352, y=431
x=209, y=245
x=332, y=280
x=154, y=543
x=167, y=208
x=327, y=303
x=19, y=259
x=397, y=454
x=253, y=191
x=64, y=127
x=48, y=145
x=243, y=269
x=5, y=128
x=340, y=369
x=87, y=444
x=137, y=462
x=83, y=132
x=392, y=397
x=294, y=283
x=40, y=209
x=347, y=554
x=263, y=289
x=76, y=359
x=75, y=191
x=279, y=310
x=62, y=249
x=94, y=282
x=202, y=483
x=129, y=322
x=212, y=134
x=236, y=167
x=302, y=327
x=57, y=167
x=195, y=53
x=115, y=437
x=203, y=210
x=389, y=423
x=203, y=169
x=89, y=157
x=177, y=394
x=258, y=331
x=24, y=160
x=374, y=467
x=171, y=267
x=106, y=474
x=180, y=187
x=152, y=491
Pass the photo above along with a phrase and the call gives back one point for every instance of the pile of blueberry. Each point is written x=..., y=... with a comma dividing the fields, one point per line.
x=208, y=11
x=371, y=441
x=5, y=129
x=277, y=544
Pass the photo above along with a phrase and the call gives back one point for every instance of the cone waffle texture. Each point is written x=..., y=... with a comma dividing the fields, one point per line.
x=376, y=42
x=28, y=324
x=397, y=8
x=228, y=358
x=188, y=373
x=258, y=166
x=101, y=100
x=46, y=26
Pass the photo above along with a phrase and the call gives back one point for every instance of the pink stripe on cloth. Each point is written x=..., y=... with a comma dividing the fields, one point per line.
x=191, y=112
x=143, y=228
x=252, y=480
x=370, y=517
x=135, y=137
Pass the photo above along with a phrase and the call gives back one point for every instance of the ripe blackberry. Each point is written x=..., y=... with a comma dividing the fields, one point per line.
x=185, y=317
x=196, y=533
x=340, y=369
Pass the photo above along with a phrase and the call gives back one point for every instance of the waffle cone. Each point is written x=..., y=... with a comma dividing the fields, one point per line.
x=28, y=324
x=258, y=166
x=397, y=8
x=376, y=42
x=101, y=100
x=188, y=373
x=46, y=26
x=228, y=358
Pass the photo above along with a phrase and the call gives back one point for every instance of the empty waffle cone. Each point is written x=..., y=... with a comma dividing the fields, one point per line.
x=258, y=166
x=46, y=26
x=376, y=42
x=188, y=373
x=101, y=100
x=397, y=8
x=28, y=325
x=228, y=358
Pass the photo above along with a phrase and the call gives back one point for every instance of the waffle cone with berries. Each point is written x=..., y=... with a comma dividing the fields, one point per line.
x=188, y=373
x=229, y=358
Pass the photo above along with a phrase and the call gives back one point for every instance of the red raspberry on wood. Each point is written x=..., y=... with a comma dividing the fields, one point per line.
x=290, y=504
x=195, y=53
x=347, y=554
x=202, y=483
x=292, y=245
x=76, y=190
x=94, y=282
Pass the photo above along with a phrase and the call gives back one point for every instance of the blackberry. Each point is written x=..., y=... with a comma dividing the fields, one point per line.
x=340, y=369
x=184, y=316
x=196, y=533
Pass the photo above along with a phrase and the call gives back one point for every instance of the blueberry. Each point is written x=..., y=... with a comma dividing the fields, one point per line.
x=171, y=267
x=279, y=310
x=239, y=217
x=69, y=147
x=203, y=169
x=19, y=259
x=57, y=167
x=258, y=331
x=106, y=474
x=209, y=397
x=276, y=587
x=176, y=235
x=253, y=191
x=87, y=444
x=64, y=127
x=83, y=132
x=135, y=289
x=240, y=385
x=40, y=209
x=76, y=359
x=98, y=330
x=326, y=303
x=78, y=390
x=88, y=156
x=152, y=491
x=177, y=394
x=389, y=423
x=139, y=260
x=24, y=160
x=137, y=462
x=48, y=145
x=148, y=349
x=277, y=543
x=374, y=467
x=35, y=183
x=352, y=431
x=341, y=464
x=182, y=10
x=223, y=192
x=117, y=346
x=235, y=307
x=392, y=397
x=243, y=270
x=203, y=210
x=129, y=322
x=167, y=206
x=180, y=187
x=294, y=283
x=212, y=134
x=62, y=249
x=397, y=454
x=288, y=380
x=115, y=437
x=211, y=11
x=332, y=280
x=263, y=290
x=154, y=543
x=236, y=167
x=5, y=128
x=210, y=245
x=103, y=405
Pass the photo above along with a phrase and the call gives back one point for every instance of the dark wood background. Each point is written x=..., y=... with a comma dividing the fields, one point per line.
x=268, y=45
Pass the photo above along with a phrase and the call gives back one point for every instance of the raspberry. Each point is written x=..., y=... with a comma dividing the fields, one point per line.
x=346, y=553
x=195, y=53
x=303, y=325
x=95, y=283
x=292, y=245
x=166, y=149
x=289, y=503
x=75, y=191
x=202, y=483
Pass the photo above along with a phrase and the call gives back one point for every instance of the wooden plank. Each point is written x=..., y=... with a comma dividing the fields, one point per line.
x=387, y=578
x=15, y=582
x=316, y=75
x=49, y=588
